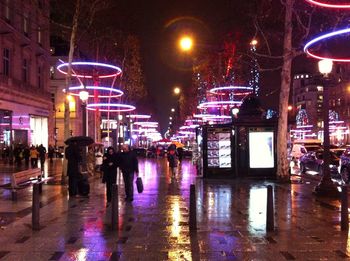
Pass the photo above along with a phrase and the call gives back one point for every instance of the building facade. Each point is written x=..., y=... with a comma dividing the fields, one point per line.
x=25, y=102
x=308, y=94
x=57, y=86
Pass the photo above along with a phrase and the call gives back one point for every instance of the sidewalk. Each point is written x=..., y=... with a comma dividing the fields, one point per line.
x=230, y=220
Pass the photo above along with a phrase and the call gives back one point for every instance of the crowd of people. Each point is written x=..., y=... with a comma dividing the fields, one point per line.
x=97, y=161
x=29, y=155
x=107, y=163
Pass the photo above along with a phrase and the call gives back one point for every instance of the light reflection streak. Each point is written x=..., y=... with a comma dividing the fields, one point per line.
x=175, y=215
x=219, y=203
x=257, y=207
x=81, y=254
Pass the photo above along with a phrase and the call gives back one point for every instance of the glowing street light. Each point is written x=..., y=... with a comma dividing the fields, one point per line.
x=254, y=42
x=177, y=91
x=172, y=110
x=186, y=43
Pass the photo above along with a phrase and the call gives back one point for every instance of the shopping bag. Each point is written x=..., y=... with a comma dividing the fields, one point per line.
x=139, y=185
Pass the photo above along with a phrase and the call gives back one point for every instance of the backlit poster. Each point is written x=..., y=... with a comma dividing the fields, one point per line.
x=261, y=154
x=219, y=149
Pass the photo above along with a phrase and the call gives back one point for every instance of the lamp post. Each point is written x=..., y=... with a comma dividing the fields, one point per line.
x=177, y=92
x=84, y=96
x=326, y=186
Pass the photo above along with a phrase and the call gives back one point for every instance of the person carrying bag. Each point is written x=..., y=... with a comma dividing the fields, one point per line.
x=128, y=166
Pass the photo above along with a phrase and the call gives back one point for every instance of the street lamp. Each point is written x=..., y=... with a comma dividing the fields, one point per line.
x=186, y=43
x=84, y=96
x=177, y=90
x=326, y=186
x=172, y=110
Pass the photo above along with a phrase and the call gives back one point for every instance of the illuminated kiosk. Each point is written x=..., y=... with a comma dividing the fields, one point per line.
x=241, y=149
x=254, y=142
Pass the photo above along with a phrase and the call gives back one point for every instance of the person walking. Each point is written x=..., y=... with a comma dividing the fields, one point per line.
x=109, y=168
x=128, y=165
x=26, y=155
x=172, y=159
x=72, y=154
x=42, y=156
x=34, y=155
x=50, y=153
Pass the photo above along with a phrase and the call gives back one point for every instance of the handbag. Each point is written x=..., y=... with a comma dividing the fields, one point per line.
x=139, y=185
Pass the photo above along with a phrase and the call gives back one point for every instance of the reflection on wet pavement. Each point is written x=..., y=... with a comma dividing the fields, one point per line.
x=231, y=217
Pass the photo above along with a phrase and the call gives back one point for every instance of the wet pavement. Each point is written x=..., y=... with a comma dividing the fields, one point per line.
x=231, y=218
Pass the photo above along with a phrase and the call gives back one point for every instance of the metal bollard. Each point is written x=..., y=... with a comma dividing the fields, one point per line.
x=36, y=207
x=193, y=208
x=114, y=210
x=344, y=209
x=270, y=219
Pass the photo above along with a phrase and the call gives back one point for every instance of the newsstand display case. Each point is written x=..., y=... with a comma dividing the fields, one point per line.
x=217, y=148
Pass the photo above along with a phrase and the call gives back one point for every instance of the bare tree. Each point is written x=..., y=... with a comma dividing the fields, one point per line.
x=298, y=20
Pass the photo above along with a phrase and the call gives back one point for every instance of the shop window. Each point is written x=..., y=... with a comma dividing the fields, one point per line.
x=6, y=62
x=25, y=71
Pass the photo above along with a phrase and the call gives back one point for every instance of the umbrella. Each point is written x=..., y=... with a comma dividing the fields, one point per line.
x=178, y=144
x=80, y=140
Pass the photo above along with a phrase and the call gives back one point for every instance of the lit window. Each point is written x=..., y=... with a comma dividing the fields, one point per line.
x=39, y=35
x=320, y=88
x=25, y=24
x=52, y=72
x=302, y=76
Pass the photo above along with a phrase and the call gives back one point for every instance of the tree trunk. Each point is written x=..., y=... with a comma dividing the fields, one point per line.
x=68, y=83
x=282, y=161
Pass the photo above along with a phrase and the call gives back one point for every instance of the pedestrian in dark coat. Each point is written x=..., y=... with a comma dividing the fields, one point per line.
x=109, y=169
x=172, y=159
x=26, y=155
x=129, y=166
x=72, y=154
x=42, y=156
x=51, y=152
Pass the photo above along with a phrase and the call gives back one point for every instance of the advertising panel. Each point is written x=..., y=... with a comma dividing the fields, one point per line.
x=261, y=152
x=219, y=149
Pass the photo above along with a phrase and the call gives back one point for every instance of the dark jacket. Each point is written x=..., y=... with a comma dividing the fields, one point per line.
x=110, y=163
x=128, y=162
x=172, y=158
x=72, y=154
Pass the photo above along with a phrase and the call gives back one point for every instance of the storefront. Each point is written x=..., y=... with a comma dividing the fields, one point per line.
x=5, y=129
x=21, y=124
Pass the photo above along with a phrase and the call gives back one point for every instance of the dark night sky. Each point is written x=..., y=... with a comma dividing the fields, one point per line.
x=159, y=23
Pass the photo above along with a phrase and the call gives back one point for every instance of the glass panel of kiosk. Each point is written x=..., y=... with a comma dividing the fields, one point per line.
x=261, y=149
x=219, y=148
